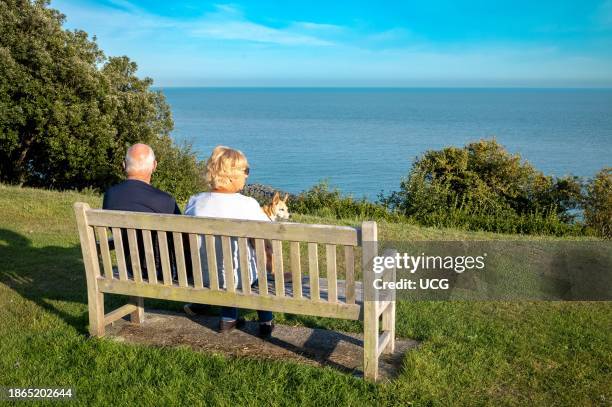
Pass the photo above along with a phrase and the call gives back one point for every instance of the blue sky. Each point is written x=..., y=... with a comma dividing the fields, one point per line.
x=356, y=43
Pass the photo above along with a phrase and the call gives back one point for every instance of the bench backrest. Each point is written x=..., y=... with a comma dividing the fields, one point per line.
x=293, y=243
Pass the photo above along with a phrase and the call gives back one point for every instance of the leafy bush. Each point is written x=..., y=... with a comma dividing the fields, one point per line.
x=263, y=193
x=321, y=201
x=598, y=203
x=483, y=187
x=178, y=170
x=68, y=113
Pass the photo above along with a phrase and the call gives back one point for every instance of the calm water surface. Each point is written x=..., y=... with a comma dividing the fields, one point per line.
x=364, y=140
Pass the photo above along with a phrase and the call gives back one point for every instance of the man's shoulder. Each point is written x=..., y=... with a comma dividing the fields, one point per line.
x=161, y=193
x=138, y=186
x=134, y=194
x=117, y=189
x=166, y=202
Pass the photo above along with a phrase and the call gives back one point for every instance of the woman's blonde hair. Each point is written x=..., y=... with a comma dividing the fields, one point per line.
x=223, y=164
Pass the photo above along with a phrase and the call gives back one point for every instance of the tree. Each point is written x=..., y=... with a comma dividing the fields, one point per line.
x=598, y=203
x=68, y=112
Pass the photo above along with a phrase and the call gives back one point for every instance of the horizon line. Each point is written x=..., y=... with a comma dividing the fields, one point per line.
x=385, y=87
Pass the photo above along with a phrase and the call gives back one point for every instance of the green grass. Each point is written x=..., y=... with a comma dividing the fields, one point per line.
x=472, y=353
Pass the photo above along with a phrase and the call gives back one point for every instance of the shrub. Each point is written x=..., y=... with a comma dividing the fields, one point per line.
x=178, y=170
x=483, y=187
x=598, y=203
x=263, y=193
x=321, y=201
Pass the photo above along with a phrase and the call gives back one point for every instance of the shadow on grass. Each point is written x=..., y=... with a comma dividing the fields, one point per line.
x=318, y=346
x=48, y=275
x=44, y=275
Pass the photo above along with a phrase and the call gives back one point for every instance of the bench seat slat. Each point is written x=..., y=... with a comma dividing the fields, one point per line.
x=243, y=254
x=196, y=266
x=262, y=276
x=340, y=235
x=296, y=271
x=180, y=259
x=286, y=304
x=150, y=256
x=349, y=263
x=323, y=290
x=162, y=239
x=134, y=255
x=107, y=263
x=228, y=264
x=120, y=254
x=313, y=270
x=332, y=278
x=277, y=267
x=211, y=257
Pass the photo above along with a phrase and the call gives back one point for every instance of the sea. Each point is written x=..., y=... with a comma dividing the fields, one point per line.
x=364, y=140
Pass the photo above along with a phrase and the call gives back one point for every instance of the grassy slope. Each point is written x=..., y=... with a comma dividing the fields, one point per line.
x=472, y=353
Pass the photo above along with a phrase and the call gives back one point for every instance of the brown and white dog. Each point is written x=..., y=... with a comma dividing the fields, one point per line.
x=277, y=210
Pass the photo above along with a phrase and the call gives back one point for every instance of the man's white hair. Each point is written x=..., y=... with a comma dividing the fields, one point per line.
x=139, y=158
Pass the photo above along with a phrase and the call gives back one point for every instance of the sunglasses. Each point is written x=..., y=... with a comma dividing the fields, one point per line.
x=247, y=170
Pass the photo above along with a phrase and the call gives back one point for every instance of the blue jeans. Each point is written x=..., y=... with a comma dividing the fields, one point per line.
x=231, y=314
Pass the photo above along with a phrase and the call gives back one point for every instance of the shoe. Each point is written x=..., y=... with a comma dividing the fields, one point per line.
x=195, y=309
x=265, y=330
x=227, y=326
x=188, y=310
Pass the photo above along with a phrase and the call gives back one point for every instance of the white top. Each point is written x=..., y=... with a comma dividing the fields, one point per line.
x=228, y=206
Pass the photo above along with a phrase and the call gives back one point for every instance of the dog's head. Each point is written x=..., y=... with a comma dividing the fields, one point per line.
x=278, y=209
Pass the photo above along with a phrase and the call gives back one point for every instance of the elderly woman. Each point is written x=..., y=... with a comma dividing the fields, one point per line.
x=226, y=173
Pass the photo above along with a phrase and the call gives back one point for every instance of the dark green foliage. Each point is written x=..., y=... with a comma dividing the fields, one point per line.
x=321, y=201
x=483, y=187
x=598, y=203
x=178, y=170
x=263, y=193
x=67, y=112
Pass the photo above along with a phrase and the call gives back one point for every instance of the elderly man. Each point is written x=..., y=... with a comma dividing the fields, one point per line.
x=136, y=193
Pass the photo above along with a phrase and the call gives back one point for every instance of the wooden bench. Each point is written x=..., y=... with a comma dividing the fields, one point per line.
x=306, y=295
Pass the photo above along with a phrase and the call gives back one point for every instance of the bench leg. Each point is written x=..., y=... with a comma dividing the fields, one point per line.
x=96, y=313
x=370, y=341
x=137, y=317
x=388, y=324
